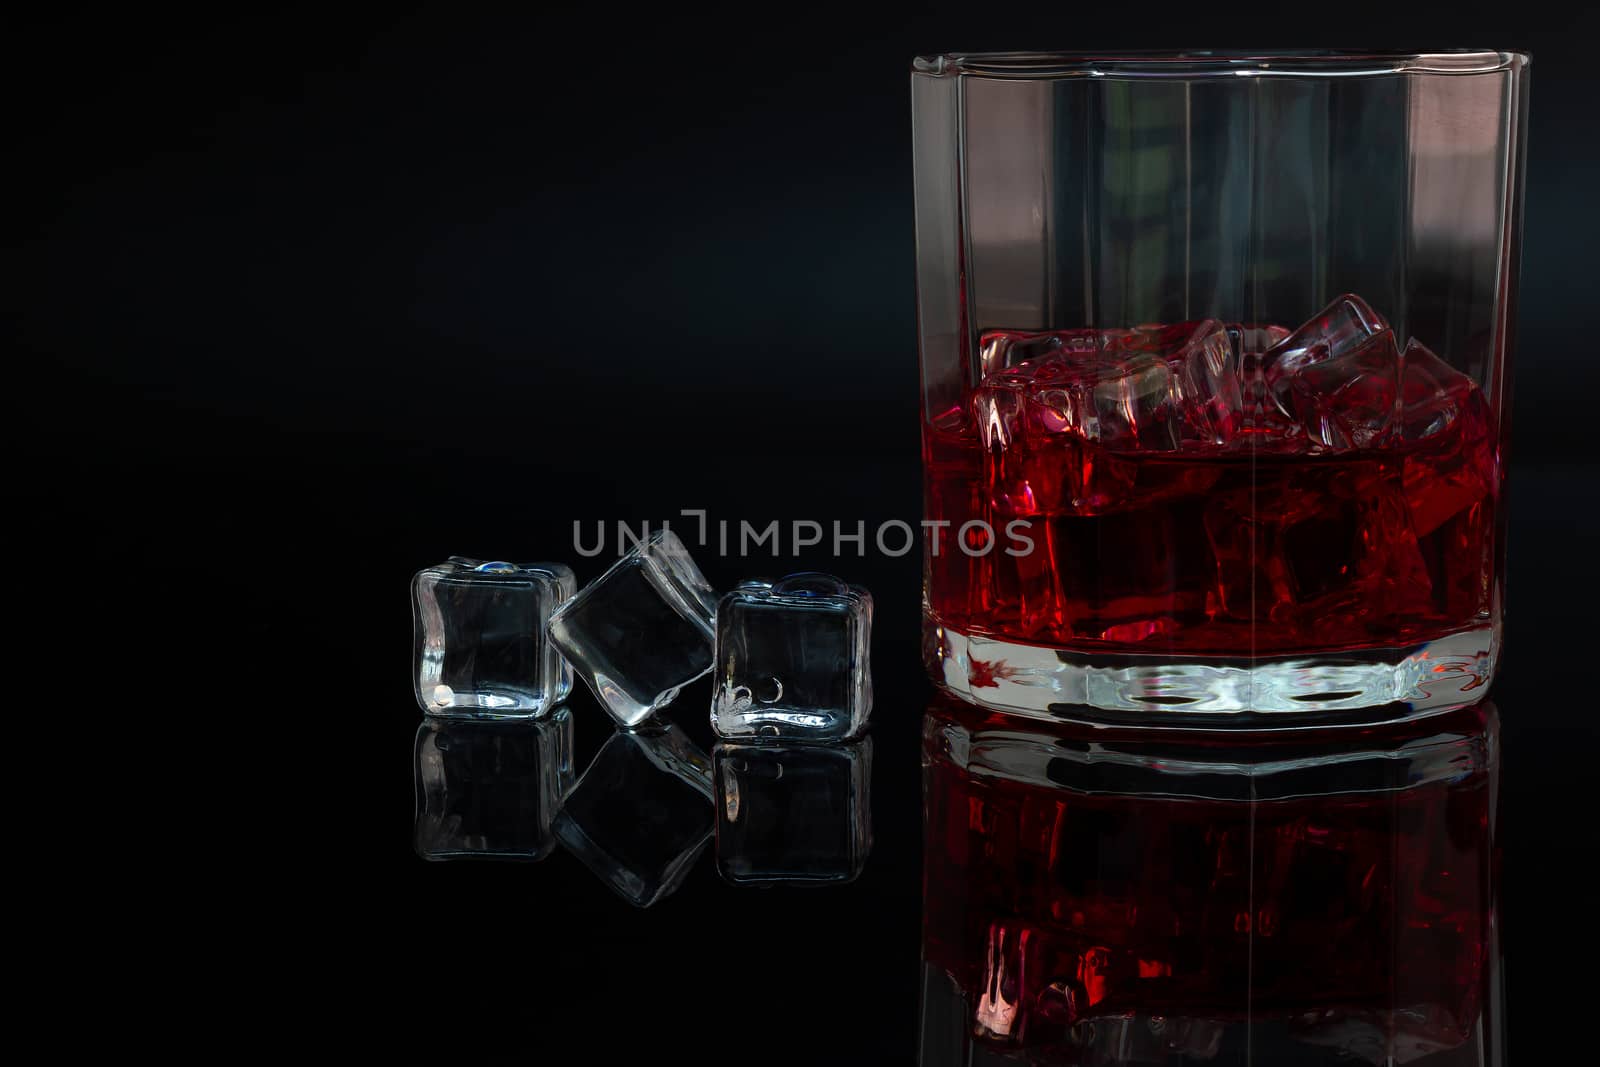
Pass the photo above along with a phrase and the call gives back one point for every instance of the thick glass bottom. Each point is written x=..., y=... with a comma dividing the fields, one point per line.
x=1356, y=688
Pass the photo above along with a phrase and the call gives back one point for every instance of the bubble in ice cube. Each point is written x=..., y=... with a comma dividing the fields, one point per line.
x=792, y=660
x=1350, y=400
x=1343, y=326
x=641, y=631
x=490, y=790
x=480, y=638
x=641, y=813
x=796, y=813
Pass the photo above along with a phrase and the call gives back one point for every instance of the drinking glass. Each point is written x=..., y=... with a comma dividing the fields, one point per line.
x=1215, y=357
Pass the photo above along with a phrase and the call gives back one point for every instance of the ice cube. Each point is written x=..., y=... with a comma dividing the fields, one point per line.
x=490, y=790
x=1344, y=325
x=1148, y=388
x=641, y=631
x=1319, y=558
x=1206, y=394
x=1437, y=397
x=1000, y=349
x=1351, y=400
x=793, y=813
x=1253, y=339
x=1453, y=463
x=792, y=659
x=641, y=813
x=480, y=644
x=1122, y=401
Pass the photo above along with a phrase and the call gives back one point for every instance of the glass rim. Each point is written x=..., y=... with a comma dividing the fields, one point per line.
x=1192, y=65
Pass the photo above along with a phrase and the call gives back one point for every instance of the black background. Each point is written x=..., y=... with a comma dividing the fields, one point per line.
x=302, y=303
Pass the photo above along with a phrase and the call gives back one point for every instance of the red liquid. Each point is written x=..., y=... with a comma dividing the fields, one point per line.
x=1361, y=517
x=1337, y=920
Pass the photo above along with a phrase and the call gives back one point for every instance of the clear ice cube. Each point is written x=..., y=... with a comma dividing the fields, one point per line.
x=1122, y=401
x=793, y=813
x=490, y=790
x=1206, y=397
x=1346, y=324
x=1000, y=349
x=793, y=659
x=481, y=638
x=641, y=813
x=1307, y=553
x=641, y=631
x=1454, y=459
x=1144, y=389
x=1436, y=396
x=1351, y=400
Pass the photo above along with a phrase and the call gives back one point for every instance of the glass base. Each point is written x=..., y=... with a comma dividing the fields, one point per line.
x=1350, y=688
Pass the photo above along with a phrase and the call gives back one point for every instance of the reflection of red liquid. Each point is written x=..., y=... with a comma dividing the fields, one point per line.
x=1334, y=920
x=1245, y=537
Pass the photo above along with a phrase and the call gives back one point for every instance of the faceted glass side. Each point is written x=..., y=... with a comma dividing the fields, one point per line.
x=481, y=638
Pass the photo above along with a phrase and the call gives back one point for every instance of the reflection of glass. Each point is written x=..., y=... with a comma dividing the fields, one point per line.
x=1215, y=353
x=794, y=814
x=641, y=813
x=489, y=790
x=1096, y=898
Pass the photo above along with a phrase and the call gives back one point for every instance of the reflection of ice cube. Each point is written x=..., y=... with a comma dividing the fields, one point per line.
x=1337, y=330
x=489, y=790
x=793, y=813
x=640, y=631
x=1348, y=401
x=641, y=813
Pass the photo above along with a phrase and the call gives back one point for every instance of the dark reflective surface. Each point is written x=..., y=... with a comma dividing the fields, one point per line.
x=1104, y=897
x=1088, y=897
